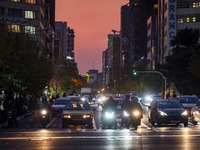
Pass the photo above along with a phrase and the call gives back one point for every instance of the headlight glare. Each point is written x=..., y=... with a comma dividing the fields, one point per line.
x=162, y=113
x=136, y=113
x=67, y=116
x=44, y=112
x=109, y=115
x=86, y=116
x=185, y=113
x=126, y=114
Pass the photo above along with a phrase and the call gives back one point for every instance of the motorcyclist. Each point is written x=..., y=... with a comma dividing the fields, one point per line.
x=135, y=106
x=110, y=104
x=126, y=105
x=45, y=105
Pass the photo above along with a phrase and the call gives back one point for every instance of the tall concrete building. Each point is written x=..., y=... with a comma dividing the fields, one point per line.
x=152, y=42
x=31, y=17
x=113, y=58
x=174, y=15
x=104, y=66
x=60, y=39
x=140, y=11
x=70, y=44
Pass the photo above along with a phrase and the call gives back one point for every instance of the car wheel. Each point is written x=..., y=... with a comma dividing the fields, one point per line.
x=194, y=122
x=185, y=124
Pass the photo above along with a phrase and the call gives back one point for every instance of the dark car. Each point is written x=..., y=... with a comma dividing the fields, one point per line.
x=77, y=113
x=168, y=112
x=188, y=101
x=58, y=105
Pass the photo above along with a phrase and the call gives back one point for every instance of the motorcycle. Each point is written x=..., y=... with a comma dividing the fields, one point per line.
x=125, y=118
x=44, y=117
x=135, y=119
x=109, y=119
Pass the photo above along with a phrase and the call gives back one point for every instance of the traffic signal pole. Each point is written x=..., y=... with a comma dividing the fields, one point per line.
x=163, y=77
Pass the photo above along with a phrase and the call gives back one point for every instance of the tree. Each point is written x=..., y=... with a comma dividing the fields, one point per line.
x=181, y=65
x=25, y=68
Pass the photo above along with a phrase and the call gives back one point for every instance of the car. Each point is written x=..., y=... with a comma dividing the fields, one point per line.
x=188, y=101
x=75, y=98
x=168, y=112
x=119, y=109
x=77, y=113
x=195, y=113
x=58, y=105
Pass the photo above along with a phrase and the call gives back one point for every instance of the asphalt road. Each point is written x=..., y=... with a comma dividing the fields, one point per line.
x=78, y=137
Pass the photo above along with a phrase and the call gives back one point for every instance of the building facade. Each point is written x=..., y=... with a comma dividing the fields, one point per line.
x=60, y=39
x=70, y=44
x=152, y=38
x=174, y=15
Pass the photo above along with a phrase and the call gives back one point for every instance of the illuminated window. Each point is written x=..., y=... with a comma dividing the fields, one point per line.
x=180, y=20
x=30, y=14
x=13, y=28
x=155, y=6
x=194, y=19
x=30, y=29
x=187, y=19
x=15, y=0
x=195, y=4
x=31, y=1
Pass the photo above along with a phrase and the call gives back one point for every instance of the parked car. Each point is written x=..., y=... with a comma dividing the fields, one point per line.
x=168, y=112
x=188, y=101
x=58, y=105
x=195, y=113
x=77, y=113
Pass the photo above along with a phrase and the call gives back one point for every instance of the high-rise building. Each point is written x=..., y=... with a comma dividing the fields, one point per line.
x=70, y=44
x=174, y=15
x=113, y=58
x=152, y=38
x=60, y=39
x=140, y=11
x=34, y=17
x=104, y=66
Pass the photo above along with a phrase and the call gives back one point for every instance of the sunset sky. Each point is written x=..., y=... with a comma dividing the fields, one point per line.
x=91, y=20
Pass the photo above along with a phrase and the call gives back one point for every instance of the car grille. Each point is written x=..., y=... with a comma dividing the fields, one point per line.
x=77, y=116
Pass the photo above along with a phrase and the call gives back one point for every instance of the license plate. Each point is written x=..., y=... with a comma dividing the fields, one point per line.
x=175, y=121
x=77, y=119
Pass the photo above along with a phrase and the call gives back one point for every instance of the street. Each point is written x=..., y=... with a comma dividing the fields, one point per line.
x=78, y=137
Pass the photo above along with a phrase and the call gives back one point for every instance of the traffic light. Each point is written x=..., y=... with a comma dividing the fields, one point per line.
x=134, y=73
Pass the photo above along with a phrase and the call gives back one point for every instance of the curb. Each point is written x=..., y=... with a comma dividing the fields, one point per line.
x=26, y=115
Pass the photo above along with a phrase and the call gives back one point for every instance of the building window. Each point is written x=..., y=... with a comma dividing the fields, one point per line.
x=188, y=19
x=30, y=29
x=195, y=4
x=180, y=20
x=155, y=6
x=31, y=1
x=13, y=28
x=30, y=14
x=15, y=12
x=194, y=19
x=15, y=0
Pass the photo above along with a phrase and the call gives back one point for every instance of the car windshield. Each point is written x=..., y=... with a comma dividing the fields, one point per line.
x=60, y=102
x=77, y=106
x=75, y=98
x=169, y=104
x=192, y=100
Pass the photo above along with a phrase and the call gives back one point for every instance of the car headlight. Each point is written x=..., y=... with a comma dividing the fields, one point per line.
x=126, y=114
x=148, y=98
x=86, y=116
x=136, y=113
x=185, y=113
x=162, y=113
x=67, y=116
x=103, y=98
x=99, y=100
x=44, y=112
x=109, y=115
x=83, y=99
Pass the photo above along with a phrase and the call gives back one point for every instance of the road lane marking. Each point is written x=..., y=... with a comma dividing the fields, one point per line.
x=97, y=137
x=51, y=122
x=146, y=126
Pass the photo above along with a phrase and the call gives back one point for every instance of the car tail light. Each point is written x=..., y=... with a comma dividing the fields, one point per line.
x=60, y=111
x=118, y=115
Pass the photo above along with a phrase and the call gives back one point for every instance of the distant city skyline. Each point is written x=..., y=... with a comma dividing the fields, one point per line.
x=92, y=21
